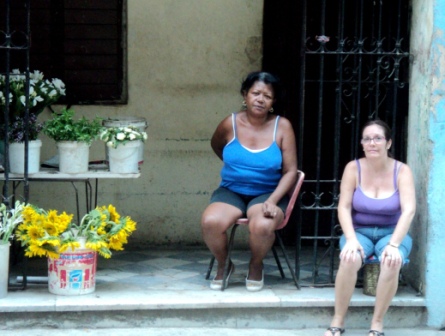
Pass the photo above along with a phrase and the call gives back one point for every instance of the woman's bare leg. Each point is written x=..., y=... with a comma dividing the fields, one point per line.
x=261, y=238
x=215, y=221
x=344, y=288
x=386, y=289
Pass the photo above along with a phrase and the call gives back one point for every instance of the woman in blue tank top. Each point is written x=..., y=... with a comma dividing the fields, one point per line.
x=377, y=204
x=258, y=151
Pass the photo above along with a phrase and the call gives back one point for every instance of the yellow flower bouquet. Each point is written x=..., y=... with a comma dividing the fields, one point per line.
x=48, y=233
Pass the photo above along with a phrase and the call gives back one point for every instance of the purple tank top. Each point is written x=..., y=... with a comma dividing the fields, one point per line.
x=368, y=211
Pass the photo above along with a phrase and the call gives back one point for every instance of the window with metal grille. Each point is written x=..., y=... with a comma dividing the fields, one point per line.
x=79, y=41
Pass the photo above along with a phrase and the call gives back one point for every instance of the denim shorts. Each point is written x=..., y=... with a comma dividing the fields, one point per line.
x=244, y=202
x=374, y=240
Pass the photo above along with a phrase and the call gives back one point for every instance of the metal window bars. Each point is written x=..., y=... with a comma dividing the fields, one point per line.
x=20, y=41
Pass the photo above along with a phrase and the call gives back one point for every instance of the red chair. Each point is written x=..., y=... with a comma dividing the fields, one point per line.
x=293, y=194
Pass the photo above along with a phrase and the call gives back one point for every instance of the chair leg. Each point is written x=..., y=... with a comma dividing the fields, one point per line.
x=280, y=241
x=212, y=261
x=274, y=251
x=229, y=254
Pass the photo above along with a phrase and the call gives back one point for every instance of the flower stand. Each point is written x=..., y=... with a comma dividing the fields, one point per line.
x=4, y=268
x=73, y=273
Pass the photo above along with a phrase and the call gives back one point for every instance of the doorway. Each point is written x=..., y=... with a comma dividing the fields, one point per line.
x=343, y=63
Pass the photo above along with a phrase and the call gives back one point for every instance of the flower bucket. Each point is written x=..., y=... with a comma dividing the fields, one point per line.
x=73, y=273
x=4, y=268
x=140, y=123
x=73, y=157
x=125, y=158
x=17, y=157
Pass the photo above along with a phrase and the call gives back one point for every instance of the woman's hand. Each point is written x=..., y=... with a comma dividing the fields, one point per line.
x=349, y=251
x=270, y=210
x=391, y=256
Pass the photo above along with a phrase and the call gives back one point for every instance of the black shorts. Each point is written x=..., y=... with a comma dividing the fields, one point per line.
x=244, y=202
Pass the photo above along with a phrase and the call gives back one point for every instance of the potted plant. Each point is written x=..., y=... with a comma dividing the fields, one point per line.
x=9, y=220
x=73, y=139
x=72, y=248
x=16, y=135
x=22, y=126
x=122, y=145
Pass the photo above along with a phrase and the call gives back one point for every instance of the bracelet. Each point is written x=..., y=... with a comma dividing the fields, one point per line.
x=393, y=245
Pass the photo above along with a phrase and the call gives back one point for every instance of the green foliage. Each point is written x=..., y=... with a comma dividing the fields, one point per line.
x=63, y=127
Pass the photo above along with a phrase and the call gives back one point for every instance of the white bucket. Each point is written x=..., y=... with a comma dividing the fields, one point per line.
x=17, y=157
x=73, y=157
x=4, y=268
x=74, y=272
x=125, y=158
x=122, y=121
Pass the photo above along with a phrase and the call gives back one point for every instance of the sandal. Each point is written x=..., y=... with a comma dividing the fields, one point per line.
x=218, y=284
x=335, y=330
x=376, y=333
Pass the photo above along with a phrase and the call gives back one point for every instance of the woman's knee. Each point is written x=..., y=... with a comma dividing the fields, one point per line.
x=389, y=272
x=262, y=227
x=351, y=266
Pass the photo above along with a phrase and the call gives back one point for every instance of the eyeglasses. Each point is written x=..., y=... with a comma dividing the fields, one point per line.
x=377, y=140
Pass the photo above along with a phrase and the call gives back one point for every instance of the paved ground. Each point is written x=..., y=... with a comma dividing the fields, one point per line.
x=209, y=331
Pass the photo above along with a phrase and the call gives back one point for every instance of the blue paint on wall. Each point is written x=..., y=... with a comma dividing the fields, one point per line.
x=435, y=276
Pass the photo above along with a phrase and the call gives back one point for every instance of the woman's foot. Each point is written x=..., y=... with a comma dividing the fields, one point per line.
x=217, y=282
x=334, y=331
x=255, y=285
x=255, y=272
x=376, y=328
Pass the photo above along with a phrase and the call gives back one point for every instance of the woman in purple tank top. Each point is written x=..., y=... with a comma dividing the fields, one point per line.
x=377, y=204
x=259, y=157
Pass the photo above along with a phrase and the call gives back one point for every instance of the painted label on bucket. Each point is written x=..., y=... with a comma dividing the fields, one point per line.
x=73, y=273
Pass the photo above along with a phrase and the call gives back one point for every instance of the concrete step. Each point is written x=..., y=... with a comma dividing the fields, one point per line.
x=168, y=289
x=117, y=306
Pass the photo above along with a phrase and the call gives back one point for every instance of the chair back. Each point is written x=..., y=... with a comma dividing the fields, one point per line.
x=293, y=195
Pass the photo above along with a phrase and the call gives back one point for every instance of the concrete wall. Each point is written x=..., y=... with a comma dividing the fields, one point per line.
x=426, y=153
x=186, y=60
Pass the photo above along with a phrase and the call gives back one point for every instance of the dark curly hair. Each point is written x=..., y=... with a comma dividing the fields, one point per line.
x=266, y=78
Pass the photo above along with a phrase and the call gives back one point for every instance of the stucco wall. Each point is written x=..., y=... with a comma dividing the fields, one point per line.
x=427, y=152
x=419, y=148
x=186, y=60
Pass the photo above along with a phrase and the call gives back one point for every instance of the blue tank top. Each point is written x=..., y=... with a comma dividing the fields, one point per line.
x=251, y=172
x=369, y=211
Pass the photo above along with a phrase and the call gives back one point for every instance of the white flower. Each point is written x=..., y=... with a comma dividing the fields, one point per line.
x=120, y=136
x=132, y=136
x=52, y=92
x=36, y=75
x=15, y=76
x=3, y=98
x=33, y=97
x=59, y=85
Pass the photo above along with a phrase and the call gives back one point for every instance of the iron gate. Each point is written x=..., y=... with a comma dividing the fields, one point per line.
x=354, y=64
